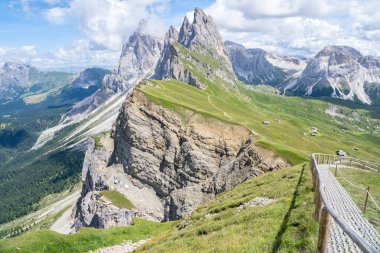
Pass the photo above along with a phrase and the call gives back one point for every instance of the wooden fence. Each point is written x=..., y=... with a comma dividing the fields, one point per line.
x=324, y=212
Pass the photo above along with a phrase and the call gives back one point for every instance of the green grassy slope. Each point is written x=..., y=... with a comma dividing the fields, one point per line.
x=290, y=118
x=117, y=199
x=286, y=225
x=46, y=241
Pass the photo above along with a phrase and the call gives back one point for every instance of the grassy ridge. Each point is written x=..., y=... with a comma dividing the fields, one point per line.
x=286, y=225
x=290, y=118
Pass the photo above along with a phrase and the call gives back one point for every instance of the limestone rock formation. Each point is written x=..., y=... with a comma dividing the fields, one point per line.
x=342, y=72
x=197, y=50
x=257, y=66
x=185, y=164
x=90, y=210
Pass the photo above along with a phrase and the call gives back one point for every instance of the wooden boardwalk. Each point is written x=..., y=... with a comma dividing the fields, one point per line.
x=342, y=225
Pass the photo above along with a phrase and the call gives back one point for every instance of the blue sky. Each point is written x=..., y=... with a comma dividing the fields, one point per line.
x=54, y=34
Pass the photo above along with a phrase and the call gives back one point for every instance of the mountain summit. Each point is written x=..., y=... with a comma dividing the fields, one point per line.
x=260, y=67
x=195, y=51
x=342, y=72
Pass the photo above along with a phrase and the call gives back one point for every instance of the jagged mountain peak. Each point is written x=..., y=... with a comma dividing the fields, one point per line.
x=202, y=34
x=257, y=66
x=139, y=56
x=340, y=71
x=15, y=66
x=342, y=50
x=172, y=33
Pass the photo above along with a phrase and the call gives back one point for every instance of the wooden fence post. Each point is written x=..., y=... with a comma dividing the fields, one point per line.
x=366, y=200
x=364, y=166
x=336, y=169
x=324, y=231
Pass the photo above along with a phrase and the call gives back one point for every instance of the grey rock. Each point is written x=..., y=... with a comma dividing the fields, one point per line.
x=138, y=60
x=90, y=210
x=14, y=79
x=257, y=66
x=342, y=72
x=186, y=164
x=201, y=37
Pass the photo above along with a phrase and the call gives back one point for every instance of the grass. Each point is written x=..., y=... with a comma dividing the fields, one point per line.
x=46, y=241
x=290, y=117
x=98, y=143
x=286, y=225
x=362, y=179
x=117, y=199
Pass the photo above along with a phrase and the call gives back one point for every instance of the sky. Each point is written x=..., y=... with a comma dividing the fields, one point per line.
x=74, y=34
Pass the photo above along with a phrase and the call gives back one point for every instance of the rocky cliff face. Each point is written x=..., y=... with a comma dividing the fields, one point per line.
x=197, y=50
x=91, y=210
x=340, y=71
x=260, y=67
x=186, y=164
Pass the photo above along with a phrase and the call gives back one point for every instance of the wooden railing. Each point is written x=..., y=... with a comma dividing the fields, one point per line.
x=324, y=211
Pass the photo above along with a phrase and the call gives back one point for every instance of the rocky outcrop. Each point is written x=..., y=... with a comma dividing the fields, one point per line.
x=186, y=164
x=342, y=72
x=257, y=66
x=91, y=210
x=197, y=51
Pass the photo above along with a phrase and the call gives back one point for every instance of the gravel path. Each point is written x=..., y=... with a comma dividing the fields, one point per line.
x=344, y=206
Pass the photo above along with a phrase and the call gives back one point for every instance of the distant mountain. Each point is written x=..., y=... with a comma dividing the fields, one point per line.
x=257, y=66
x=341, y=72
x=17, y=79
x=138, y=60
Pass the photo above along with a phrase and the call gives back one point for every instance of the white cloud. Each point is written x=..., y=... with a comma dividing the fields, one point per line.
x=25, y=53
x=81, y=54
x=109, y=22
x=300, y=27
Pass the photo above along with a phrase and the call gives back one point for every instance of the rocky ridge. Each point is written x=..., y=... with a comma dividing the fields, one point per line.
x=196, y=51
x=341, y=72
x=257, y=66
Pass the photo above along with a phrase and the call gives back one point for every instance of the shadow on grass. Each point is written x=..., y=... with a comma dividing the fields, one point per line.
x=281, y=231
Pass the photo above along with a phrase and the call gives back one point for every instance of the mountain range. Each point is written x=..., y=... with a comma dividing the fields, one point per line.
x=175, y=130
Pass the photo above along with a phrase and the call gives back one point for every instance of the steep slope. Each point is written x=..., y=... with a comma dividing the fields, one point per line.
x=184, y=161
x=257, y=66
x=342, y=72
x=279, y=218
x=194, y=53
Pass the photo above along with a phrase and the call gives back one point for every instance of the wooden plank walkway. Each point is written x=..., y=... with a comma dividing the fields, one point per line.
x=346, y=208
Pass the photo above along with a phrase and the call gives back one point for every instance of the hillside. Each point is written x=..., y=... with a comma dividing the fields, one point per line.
x=285, y=225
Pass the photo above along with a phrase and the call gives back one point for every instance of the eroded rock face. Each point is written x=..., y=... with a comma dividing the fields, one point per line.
x=186, y=164
x=90, y=210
